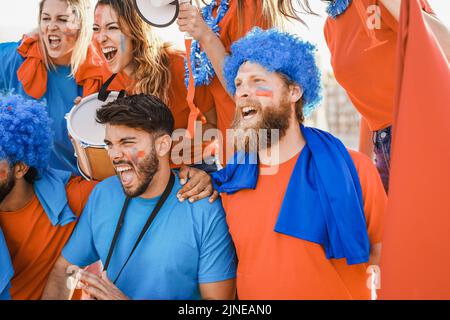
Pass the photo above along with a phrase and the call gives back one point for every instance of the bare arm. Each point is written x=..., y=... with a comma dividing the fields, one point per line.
x=191, y=21
x=222, y=290
x=57, y=284
x=440, y=30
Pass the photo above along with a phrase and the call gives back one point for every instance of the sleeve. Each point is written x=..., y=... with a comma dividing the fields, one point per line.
x=203, y=99
x=80, y=250
x=6, y=269
x=5, y=295
x=374, y=196
x=217, y=253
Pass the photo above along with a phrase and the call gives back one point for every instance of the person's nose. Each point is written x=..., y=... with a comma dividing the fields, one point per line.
x=115, y=153
x=52, y=26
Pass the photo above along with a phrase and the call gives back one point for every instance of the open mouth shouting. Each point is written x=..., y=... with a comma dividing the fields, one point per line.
x=248, y=112
x=126, y=174
x=109, y=53
x=54, y=41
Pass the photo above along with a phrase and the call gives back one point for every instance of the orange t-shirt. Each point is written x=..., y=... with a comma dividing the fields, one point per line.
x=230, y=31
x=35, y=244
x=276, y=266
x=366, y=71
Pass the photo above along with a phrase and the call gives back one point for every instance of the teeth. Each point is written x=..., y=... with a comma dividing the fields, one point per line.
x=122, y=169
x=56, y=38
x=248, y=109
x=109, y=49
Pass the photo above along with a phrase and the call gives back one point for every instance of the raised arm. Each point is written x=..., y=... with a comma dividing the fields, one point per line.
x=191, y=21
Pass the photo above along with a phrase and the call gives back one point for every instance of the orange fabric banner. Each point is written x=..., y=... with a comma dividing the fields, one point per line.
x=416, y=242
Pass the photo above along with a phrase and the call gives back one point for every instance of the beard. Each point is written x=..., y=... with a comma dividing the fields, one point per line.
x=145, y=170
x=7, y=186
x=271, y=126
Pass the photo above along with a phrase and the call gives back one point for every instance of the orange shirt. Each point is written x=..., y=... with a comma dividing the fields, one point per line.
x=366, y=71
x=230, y=31
x=276, y=266
x=35, y=244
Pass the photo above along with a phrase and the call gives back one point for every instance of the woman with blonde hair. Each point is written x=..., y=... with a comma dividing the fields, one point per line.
x=55, y=64
x=142, y=63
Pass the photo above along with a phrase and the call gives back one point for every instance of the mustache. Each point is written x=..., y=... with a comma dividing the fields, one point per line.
x=122, y=162
x=249, y=103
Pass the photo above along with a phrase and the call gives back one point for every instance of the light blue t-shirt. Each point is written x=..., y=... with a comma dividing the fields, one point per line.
x=6, y=269
x=60, y=95
x=187, y=244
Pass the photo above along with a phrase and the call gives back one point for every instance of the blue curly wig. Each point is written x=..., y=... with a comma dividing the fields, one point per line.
x=25, y=134
x=279, y=52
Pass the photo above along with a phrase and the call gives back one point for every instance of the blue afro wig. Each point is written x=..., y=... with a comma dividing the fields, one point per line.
x=279, y=52
x=25, y=134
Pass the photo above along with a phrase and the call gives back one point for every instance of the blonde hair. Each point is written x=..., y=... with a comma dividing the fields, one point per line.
x=83, y=18
x=150, y=55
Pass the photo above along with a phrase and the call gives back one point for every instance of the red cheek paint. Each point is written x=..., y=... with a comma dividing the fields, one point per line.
x=264, y=92
x=140, y=154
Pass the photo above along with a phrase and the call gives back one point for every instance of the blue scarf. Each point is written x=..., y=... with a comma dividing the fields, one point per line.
x=323, y=201
x=50, y=188
x=337, y=7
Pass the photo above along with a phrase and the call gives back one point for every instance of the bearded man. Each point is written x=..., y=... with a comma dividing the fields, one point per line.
x=303, y=211
x=152, y=245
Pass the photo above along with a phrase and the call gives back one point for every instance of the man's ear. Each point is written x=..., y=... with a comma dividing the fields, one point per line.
x=296, y=93
x=163, y=144
x=20, y=170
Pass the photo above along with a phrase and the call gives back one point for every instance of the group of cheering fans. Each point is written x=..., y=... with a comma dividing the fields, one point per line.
x=296, y=217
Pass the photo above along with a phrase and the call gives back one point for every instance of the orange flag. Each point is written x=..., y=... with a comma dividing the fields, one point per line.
x=415, y=261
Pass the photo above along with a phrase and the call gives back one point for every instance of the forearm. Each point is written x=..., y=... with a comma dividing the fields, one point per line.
x=216, y=53
x=441, y=32
x=57, y=287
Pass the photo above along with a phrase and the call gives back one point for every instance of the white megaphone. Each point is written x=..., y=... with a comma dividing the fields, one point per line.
x=158, y=13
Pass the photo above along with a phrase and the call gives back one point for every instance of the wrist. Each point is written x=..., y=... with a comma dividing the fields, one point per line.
x=206, y=36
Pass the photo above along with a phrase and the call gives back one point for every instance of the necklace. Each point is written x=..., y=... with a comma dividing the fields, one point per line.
x=337, y=7
x=202, y=68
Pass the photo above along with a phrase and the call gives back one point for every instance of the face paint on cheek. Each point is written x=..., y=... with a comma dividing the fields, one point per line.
x=264, y=92
x=3, y=171
x=140, y=154
x=123, y=44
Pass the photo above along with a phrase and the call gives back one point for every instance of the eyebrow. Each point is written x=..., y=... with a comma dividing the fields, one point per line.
x=122, y=140
x=108, y=24
x=60, y=15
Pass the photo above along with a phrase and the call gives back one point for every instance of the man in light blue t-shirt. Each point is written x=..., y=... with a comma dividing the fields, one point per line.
x=185, y=253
